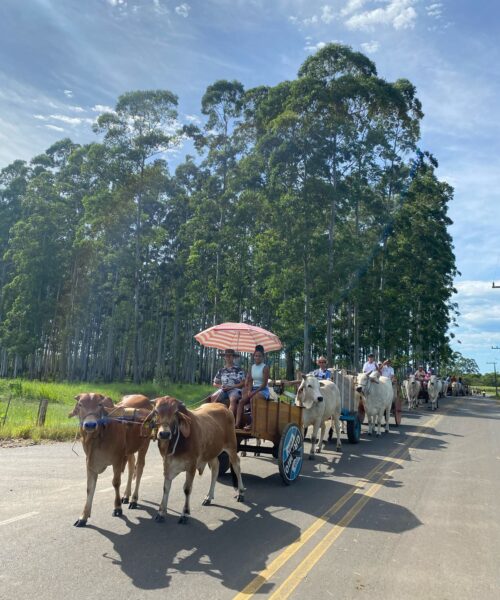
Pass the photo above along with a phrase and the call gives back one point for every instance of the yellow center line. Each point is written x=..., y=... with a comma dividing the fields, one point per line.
x=291, y=583
x=251, y=588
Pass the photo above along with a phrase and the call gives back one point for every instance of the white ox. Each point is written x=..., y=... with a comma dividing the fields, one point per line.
x=456, y=388
x=434, y=388
x=377, y=393
x=412, y=388
x=320, y=400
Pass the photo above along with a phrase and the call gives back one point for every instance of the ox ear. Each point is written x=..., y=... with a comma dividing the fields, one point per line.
x=74, y=412
x=304, y=377
x=184, y=424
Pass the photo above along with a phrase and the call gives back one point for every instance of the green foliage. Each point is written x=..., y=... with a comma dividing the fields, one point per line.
x=302, y=213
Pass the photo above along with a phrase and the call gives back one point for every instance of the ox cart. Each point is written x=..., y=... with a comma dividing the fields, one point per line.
x=353, y=410
x=280, y=423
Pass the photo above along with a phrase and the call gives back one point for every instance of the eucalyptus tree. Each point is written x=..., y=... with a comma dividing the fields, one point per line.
x=141, y=129
x=420, y=270
x=39, y=250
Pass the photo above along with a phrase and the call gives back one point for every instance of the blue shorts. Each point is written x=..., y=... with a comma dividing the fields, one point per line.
x=264, y=392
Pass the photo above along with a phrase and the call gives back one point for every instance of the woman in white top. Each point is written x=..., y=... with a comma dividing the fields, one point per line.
x=256, y=383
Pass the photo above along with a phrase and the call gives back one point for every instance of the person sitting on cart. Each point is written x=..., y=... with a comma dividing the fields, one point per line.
x=230, y=381
x=387, y=370
x=370, y=365
x=255, y=385
x=420, y=376
x=322, y=371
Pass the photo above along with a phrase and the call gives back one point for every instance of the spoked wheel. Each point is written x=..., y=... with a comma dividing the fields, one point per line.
x=354, y=430
x=290, y=453
x=224, y=463
x=397, y=411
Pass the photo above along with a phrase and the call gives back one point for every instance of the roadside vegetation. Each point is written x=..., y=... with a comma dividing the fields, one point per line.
x=25, y=397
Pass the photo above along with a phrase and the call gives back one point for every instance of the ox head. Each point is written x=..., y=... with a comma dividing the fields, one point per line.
x=309, y=392
x=91, y=408
x=432, y=380
x=365, y=381
x=171, y=418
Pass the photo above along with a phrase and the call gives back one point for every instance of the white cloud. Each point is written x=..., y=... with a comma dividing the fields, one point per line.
x=192, y=118
x=159, y=7
x=435, y=10
x=68, y=93
x=399, y=14
x=310, y=47
x=70, y=120
x=117, y=2
x=77, y=109
x=352, y=6
x=101, y=108
x=54, y=127
x=327, y=15
x=183, y=10
x=370, y=47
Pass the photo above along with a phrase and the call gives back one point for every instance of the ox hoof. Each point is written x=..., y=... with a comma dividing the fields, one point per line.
x=183, y=519
x=80, y=523
x=159, y=518
x=240, y=498
x=133, y=505
x=125, y=500
x=118, y=512
x=206, y=502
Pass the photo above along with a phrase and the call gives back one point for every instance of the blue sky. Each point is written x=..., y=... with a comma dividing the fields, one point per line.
x=64, y=61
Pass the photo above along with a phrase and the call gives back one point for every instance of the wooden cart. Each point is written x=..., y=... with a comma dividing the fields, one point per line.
x=353, y=411
x=278, y=422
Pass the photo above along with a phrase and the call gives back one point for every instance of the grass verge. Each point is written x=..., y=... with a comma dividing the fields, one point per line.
x=25, y=396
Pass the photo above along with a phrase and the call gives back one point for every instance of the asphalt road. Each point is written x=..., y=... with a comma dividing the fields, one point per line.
x=413, y=514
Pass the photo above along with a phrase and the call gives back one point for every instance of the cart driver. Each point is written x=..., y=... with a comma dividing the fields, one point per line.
x=230, y=381
x=370, y=365
x=322, y=372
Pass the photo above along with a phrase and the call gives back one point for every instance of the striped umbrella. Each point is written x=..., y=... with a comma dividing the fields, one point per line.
x=238, y=336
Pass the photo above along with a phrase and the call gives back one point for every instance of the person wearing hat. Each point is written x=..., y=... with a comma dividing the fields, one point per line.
x=387, y=369
x=230, y=381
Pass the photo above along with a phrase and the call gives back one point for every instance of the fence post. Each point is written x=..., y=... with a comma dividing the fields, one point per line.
x=42, y=412
x=4, y=416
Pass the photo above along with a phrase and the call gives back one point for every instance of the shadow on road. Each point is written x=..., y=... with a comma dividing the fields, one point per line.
x=234, y=550
x=235, y=547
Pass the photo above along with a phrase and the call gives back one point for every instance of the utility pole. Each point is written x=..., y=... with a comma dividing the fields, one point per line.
x=495, y=371
x=495, y=286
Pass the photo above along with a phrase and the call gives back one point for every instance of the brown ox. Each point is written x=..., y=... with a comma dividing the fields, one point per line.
x=109, y=442
x=189, y=440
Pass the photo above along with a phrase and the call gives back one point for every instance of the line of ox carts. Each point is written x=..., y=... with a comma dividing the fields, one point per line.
x=118, y=435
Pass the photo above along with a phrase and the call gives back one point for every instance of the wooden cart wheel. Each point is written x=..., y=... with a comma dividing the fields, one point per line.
x=397, y=409
x=224, y=463
x=354, y=430
x=290, y=453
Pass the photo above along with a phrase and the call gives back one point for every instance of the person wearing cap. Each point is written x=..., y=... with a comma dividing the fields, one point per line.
x=370, y=365
x=230, y=380
x=322, y=372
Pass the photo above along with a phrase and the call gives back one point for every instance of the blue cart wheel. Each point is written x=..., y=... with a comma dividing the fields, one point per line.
x=290, y=453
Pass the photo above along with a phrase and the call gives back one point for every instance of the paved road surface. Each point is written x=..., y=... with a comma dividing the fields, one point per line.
x=414, y=514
